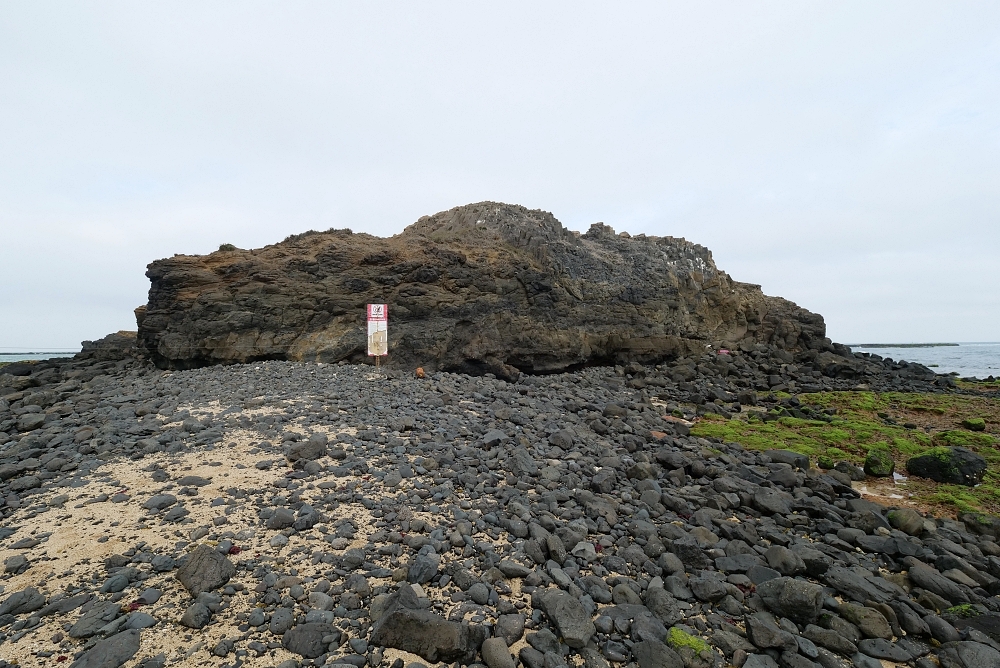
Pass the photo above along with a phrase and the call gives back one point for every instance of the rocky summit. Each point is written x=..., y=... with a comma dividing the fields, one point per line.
x=480, y=288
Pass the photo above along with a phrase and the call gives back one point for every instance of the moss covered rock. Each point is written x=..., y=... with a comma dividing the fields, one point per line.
x=879, y=463
x=956, y=466
x=974, y=424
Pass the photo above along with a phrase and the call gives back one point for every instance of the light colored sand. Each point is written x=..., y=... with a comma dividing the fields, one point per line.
x=62, y=560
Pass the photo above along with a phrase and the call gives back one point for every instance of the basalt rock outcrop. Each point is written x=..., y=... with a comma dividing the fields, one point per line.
x=480, y=288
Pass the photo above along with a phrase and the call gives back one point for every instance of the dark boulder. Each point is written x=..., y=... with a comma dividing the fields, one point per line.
x=879, y=463
x=404, y=625
x=799, y=600
x=111, y=652
x=205, y=570
x=307, y=639
x=952, y=465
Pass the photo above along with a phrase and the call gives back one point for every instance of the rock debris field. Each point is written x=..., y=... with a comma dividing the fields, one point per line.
x=288, y=514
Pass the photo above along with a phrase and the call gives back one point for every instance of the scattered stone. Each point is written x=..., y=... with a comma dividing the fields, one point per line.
x=798, y=600
x=569, y=616
x=205, y=570
x=111, y=652
x=307, y=640
x=496, y=654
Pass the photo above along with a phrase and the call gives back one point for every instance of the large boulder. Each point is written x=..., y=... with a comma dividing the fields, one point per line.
x=111, y=652
x=307, y=639
x=205, y=570
x=953, y=465
x=404, y=624
x=569, y=616
x=799, y=600
x=879, y=463
x=481, y=288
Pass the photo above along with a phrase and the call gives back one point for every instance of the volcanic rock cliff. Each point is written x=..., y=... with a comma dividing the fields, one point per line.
x=480, y=288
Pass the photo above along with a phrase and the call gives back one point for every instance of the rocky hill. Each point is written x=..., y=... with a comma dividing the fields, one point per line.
x=481, y=288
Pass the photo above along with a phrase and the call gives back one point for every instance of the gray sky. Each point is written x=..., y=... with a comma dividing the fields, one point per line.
x=845, y=155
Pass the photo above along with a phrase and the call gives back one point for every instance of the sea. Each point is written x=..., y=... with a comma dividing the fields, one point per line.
x=29, y=356
x=967, y=360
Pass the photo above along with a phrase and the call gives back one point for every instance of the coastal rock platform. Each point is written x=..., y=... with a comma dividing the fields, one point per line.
x=289, y=514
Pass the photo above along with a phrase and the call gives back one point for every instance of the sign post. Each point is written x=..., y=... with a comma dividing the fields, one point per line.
x=378, y=336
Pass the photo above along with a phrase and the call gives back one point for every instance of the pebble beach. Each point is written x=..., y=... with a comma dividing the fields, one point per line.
x=288, y=514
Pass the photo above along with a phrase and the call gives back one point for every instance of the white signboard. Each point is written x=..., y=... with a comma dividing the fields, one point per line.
x=378, y=337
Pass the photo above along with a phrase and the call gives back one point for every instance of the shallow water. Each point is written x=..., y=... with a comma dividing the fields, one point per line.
x=978, y=360
x=43, y=355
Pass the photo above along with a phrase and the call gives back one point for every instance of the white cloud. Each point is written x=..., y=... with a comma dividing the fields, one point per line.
x=841, y=154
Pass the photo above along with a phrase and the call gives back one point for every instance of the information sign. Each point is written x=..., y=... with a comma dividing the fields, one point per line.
x=378, y=337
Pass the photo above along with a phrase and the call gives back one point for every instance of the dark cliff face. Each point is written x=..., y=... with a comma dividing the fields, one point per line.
x=480, y=288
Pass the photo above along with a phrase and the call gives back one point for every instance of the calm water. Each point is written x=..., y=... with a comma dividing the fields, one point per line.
x=21, y=357
x=977, y=360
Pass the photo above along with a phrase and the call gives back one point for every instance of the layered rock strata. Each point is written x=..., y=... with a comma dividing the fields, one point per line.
x=481, y=288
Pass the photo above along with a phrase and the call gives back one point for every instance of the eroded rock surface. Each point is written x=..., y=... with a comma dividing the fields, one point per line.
x=485, y=287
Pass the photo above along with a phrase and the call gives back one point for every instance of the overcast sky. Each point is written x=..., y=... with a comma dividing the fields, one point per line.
x=845, y=155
